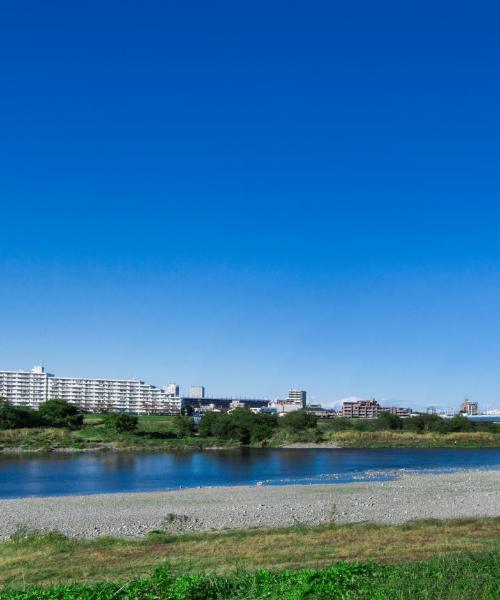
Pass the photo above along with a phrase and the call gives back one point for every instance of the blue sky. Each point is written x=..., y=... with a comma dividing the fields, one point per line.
x=254, y=195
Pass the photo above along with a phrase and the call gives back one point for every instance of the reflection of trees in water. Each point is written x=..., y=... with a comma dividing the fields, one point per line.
x=118, y=461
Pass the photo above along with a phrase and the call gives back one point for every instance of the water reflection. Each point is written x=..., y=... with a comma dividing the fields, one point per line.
x=125, y=471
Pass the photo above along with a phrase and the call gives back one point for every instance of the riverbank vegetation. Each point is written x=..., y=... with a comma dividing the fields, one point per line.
x=57, y=425
x=53, y=413
x=404, y=439
x=422, y=559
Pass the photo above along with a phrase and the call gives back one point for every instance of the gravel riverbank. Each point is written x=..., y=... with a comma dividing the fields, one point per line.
x=469, y=493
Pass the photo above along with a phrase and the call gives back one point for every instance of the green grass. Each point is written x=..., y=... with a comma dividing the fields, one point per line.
x=407, y=439
x=459, y=577
x=36, y=558
x=153, y=433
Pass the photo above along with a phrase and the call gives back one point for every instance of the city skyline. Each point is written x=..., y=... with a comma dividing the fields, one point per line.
x=254, y=197
x=173, y=389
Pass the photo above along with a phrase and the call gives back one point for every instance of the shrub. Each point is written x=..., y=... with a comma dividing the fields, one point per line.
x=59, y=413
x=184, y=426
x=240, y=424
x=187, y=410
x=207, y=424
x=389, y=421
x=299, y=421
x=17, y=417
x=122, y=422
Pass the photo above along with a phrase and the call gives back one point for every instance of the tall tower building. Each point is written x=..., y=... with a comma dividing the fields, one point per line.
x=171, y=389
x=197, y=391
x=299, y=396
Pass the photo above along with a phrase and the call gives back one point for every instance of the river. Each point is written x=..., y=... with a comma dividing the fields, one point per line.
x=108, y=472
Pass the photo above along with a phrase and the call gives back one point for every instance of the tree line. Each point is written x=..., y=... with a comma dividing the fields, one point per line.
x=422, y=423
x=240, y=425
x=53, y=413
x=247, y=427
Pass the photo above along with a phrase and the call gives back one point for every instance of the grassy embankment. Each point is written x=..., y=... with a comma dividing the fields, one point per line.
x=387, y=439
x=160, y=433
x=53, y=559
x=153, y=433
x=408, y=439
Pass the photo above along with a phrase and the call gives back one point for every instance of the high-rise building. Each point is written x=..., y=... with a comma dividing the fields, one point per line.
x=197, y=391
x=32, y=388
x=299, y=396
x=24, y=388
x=171, y=389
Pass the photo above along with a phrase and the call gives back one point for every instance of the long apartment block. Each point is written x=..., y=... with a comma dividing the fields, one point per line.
x=32, y=388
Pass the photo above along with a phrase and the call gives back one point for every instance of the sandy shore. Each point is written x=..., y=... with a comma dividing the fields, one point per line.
x=467, y=493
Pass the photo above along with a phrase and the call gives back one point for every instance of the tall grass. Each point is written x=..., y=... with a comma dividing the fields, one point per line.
x=463, y=577
x=406, y=439
x=43, y=558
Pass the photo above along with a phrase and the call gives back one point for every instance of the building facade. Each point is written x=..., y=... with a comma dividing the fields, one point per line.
x=24, y=388
x=171, y=389
x=197, y=391
x=299, y=396
x=361, y=409
x=469, y=408
x=32, y=388
x=370, y=409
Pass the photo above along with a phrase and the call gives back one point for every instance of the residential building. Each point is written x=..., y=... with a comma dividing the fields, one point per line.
x=361, y=409
x=24, y=388
x=399, y=411
x=32, y=388
x=285, y=406
x=171, y=389
x=370, y=409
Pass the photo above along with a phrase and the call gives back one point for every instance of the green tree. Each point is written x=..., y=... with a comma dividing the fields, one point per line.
x=457, y=423
x=299, y=420
x=389, y=421
x=240, y=424
x=208, y=422
x=184, y=426
x=59, y=413
x=263, y=427
x=16, y=417
x=122, y=422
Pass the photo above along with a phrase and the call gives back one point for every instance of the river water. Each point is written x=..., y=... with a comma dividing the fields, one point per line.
x=107, y=472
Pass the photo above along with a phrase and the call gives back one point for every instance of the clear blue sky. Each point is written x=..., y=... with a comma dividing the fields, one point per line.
x=254, y=195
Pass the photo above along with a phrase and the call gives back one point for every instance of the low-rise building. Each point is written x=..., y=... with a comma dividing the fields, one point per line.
x=370, y=409
x=468, y=408
x=361, y=409
x=285, y=406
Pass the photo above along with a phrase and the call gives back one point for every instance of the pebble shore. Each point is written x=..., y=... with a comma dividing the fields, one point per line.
x=469, y=493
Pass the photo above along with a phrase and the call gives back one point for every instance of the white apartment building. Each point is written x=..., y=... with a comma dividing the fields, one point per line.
x=171, y=389
x=296, y=401
x=24, y=388
x=31, y=388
